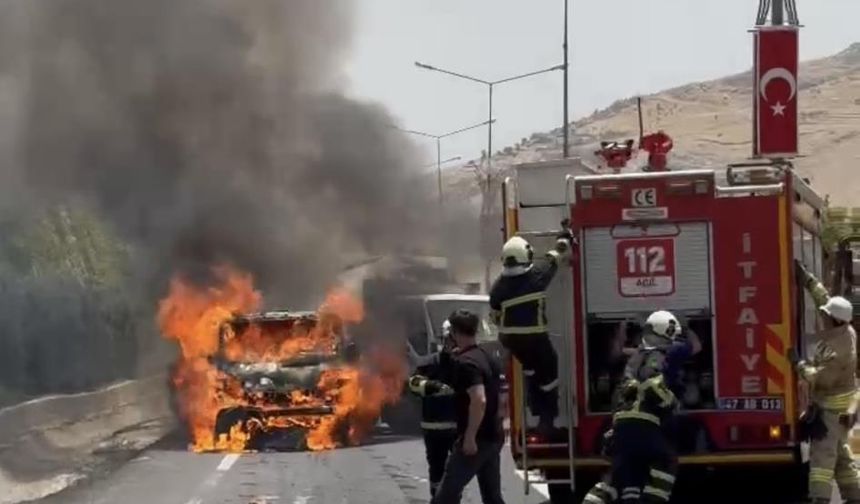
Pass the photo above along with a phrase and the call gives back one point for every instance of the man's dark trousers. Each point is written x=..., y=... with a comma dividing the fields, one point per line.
x=460, y=469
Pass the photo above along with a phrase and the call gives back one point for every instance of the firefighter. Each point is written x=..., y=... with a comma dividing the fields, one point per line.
x=643, y=461
x=518, y=300
x=831, y=375
x=431, y=382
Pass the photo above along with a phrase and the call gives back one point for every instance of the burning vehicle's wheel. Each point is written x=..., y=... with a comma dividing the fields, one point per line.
x=241, y=427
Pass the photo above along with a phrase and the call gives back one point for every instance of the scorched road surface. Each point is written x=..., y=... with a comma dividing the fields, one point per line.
x=389, y=470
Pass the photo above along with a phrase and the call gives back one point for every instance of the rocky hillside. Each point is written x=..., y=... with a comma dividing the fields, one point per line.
x=711, y=125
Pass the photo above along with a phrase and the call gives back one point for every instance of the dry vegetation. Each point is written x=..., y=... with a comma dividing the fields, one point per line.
x=711, y=125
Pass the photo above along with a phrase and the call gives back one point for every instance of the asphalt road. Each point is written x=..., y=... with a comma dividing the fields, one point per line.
x=390, y=470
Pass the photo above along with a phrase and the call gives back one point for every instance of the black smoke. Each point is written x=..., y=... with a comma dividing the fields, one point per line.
x=210, y=131
x=201, y=131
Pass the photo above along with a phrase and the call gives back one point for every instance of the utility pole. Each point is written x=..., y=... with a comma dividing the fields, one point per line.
x=439, y=169
x=566, y=144
x=490, y=137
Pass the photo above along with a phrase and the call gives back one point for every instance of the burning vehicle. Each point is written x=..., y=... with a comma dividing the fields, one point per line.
x=279, y=400
x=248, y=379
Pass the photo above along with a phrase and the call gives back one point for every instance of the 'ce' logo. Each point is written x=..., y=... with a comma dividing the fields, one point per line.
x=645, y=197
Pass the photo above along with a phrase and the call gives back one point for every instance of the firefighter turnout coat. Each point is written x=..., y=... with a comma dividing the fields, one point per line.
x=831, y=373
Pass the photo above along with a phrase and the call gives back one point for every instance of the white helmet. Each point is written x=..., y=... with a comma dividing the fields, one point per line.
x=839, y=308
x=517, y=253
x=661, y=328
x=446, y=330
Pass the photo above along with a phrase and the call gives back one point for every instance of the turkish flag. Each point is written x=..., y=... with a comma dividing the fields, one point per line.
x=775, y=93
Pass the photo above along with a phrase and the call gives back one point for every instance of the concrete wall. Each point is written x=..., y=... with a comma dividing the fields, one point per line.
x=47, y=443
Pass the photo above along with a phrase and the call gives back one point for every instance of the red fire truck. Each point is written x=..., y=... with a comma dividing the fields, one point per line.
x=716, y=249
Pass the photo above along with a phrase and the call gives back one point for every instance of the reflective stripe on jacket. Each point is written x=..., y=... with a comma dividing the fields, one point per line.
x=519, y=301
x=654, y=402
x=524, y=314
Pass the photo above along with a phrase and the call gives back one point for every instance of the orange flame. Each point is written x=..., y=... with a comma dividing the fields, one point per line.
x=193, y=316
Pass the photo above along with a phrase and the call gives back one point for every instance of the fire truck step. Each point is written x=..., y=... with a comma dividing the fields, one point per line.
x=546, y=445
x=548, y=481
x=538, y=234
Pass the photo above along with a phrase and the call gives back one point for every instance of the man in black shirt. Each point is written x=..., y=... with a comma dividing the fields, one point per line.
x=477, y=384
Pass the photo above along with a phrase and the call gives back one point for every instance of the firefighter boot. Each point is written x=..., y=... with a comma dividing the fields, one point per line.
x=545, y=406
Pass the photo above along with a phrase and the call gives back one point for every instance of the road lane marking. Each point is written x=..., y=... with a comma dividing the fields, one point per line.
x=228, y=461
x=212, y=481
x=264, y=499
x=540, y=488
x=301, y=499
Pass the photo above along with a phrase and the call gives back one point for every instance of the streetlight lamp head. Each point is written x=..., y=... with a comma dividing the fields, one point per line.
x=424, y=66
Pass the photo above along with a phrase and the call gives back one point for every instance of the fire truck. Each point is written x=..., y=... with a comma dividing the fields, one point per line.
x=716, y=248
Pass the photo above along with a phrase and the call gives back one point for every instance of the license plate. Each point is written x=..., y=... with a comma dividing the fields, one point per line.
x=751, y=403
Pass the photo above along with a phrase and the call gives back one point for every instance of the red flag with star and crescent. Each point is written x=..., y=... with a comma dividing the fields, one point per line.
x=775, y=93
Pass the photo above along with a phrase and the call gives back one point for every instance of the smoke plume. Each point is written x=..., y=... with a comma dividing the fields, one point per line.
x=204, y=131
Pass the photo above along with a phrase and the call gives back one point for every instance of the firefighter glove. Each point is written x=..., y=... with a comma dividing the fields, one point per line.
x=807, y=371
x=562, y=248
x=793, y=357
x=800, y=270
x=417, y=384
x=608, y=443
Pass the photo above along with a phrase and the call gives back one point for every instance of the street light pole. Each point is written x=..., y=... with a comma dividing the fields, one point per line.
x=490, y=85
x=439, y=168
x=438, y=139
x=490, y=139
x=566, y=144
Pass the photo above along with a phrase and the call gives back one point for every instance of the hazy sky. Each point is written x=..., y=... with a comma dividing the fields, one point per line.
x=619, y=48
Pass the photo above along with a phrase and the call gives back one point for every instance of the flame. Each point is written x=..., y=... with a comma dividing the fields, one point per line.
x=194, y=317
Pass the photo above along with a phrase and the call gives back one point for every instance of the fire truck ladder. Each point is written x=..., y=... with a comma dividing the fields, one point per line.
x=565, y=367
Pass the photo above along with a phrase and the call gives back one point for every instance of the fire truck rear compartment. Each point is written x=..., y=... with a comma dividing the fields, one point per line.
x=631, y=270
x=606, y=364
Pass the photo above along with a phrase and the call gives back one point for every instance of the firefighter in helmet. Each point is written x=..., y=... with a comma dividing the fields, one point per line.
x=833, y=394
x=640, y=442
x=518, y=300
x=431, y=382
